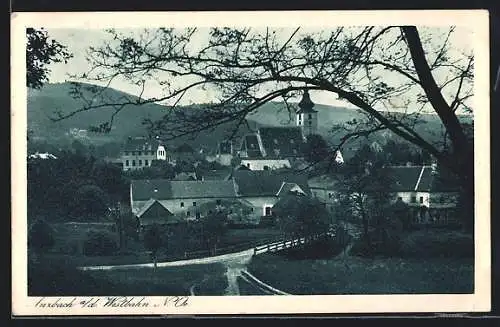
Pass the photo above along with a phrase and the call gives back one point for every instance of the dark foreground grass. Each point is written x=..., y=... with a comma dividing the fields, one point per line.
x=63, y=280
x=247, y=289
x=355, y=275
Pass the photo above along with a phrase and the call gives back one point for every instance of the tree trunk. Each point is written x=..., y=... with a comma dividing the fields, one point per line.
x=461, y=161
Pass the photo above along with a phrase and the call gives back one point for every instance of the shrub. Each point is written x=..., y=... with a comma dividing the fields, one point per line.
x=40, y=237
x=100, y=243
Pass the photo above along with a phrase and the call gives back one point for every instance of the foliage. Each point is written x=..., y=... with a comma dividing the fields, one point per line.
x=89, y=202
x=40, y=236
x=40, y=52
x=55, y=187
x=315, y=149
x=214, y=226
x=100, y=243
x=299, y=215
x=153, y=240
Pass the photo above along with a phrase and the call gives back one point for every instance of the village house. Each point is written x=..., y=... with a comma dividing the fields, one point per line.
x=431, y=198
x=140, y=152
x=262, y=189
x=179, y=199
x=173, y=201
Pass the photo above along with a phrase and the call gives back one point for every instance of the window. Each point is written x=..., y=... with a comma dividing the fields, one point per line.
x=194, y=203
x=310, y=123
x=248, y=165
x=182, y=204
x=266, y=167
x=218, y=202
x=133, y=163
x=198, y=215
x=310, y=116
x=330, y=195
x=413, y=199
x=292, y=141
x=146, y=163
x=126, y=163
x=152, y=153
x=251, y=209
x=188, y=214
x=275, y=141
x=139, y=153
x=400, y=198
x=140, y=162
x=421, y=199
x=268, y=211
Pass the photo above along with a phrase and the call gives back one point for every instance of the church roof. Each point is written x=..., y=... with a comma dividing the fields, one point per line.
x=281, y=142
x=306, y=105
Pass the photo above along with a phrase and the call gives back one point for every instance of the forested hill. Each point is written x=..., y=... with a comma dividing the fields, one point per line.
x=56, y=97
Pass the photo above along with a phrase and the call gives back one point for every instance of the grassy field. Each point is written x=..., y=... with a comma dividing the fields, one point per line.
x=48, y=279
x=355, y=275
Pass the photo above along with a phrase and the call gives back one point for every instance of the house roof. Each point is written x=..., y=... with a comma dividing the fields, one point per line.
x=251, y=142
x=418, y=179
x=266, y=182
x=162, y=189
x=289, y=187
x=141, y=144
x=281, y=141
x=225, y=147
x=221, y=174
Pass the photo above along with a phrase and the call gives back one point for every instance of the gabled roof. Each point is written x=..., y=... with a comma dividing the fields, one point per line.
x=265, y=182
x=225, y=147
x=289, y=187
x=418, y=179
x=141, y=144
x=251, y=146
x=281, y=141
x=162, y=189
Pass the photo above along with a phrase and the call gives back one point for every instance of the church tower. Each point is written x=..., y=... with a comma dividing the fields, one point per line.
x=307, y=117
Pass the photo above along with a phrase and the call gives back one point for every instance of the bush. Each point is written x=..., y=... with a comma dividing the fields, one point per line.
x=425, y=244
x=100, y=243
x=40, y=236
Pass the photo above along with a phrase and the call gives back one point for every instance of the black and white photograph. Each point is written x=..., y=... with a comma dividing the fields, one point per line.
x=250, y=162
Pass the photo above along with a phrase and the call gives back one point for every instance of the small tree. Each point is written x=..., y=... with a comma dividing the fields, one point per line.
x=300, y=215
x=153, y=241
x=214, y=226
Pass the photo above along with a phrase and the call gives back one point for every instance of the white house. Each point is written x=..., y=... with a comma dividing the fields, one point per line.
x=140, y=152
x=420, y=187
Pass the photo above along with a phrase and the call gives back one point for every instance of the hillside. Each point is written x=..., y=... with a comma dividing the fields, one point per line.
x=56, y=97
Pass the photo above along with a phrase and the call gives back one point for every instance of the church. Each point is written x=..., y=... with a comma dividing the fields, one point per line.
x=275, y=147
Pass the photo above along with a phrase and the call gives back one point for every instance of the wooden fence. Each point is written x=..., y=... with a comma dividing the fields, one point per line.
x=287, y=244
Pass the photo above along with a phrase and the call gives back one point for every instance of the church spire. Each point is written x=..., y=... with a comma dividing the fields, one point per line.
x=306, y=105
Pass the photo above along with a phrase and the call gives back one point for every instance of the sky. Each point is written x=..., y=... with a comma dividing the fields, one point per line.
x=79, y=40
